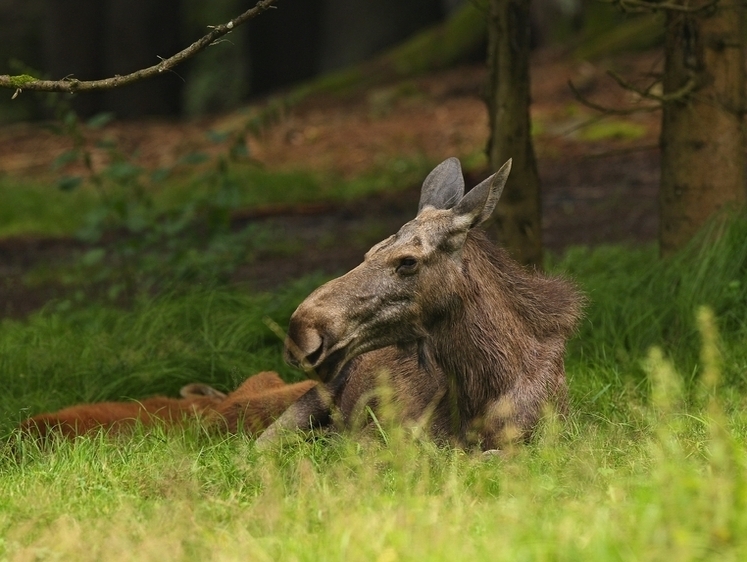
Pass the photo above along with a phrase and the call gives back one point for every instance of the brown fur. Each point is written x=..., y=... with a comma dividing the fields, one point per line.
x=253, y=406
x=257, y=403
x=508, y=356
x=471, y=343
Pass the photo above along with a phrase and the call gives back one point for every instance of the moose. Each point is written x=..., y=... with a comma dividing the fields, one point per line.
x=250, y=408
x=469, y=342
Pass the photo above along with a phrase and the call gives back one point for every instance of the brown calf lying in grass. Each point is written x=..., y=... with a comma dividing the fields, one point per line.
x=251, y=407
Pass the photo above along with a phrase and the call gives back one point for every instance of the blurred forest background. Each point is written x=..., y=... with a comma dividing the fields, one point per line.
x=87, y=39
x=349, y=98
x=308, y=130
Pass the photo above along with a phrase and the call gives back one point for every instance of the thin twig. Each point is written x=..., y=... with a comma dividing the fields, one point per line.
x=25, y=82
x=620, y=151
x=678, y=95
x=638, y=6
x=608, y=110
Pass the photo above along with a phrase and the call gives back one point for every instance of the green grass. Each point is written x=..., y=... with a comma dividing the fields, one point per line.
x=612, y=129
x=651, y=464
x=31, y=207
x=591, y=492
x=37, y=208
x=67, y=353
x=638, y=301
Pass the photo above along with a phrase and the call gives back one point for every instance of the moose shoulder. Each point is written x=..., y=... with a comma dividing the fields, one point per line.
x=470, y=342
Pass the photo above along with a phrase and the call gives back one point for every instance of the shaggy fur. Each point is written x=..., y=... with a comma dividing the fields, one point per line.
x=256, y=403
x=470, y=343
x=251, y=408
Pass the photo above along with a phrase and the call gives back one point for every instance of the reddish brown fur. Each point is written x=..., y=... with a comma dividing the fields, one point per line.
x=116, y=416
x=256, y=403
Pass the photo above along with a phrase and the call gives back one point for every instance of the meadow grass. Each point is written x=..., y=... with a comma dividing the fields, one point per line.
x=650, y=465
x=37, y=207
x=33, y=207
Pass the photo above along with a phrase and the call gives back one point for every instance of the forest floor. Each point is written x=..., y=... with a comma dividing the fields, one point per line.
x=599, y=175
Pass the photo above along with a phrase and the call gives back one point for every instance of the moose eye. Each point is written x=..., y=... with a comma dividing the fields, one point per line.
x=407, y=265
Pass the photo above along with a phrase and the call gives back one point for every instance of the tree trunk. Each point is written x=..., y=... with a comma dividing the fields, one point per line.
x=138, y=32
x=702, y=136
x=284, y=45
x=517, y=220
x=355, y=30
x=72, y=46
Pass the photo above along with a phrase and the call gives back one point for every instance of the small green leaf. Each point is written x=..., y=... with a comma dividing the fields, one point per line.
x=115, y=290
x=123, y=171
x=68, y=183
x=159, y=174
x=106, y=143
x=136, y=221
x=92, y=257
x=70, y=119
x=99, y=120
x=194, y=158
x=216, y=137
x=65, y=158
x=239, y=151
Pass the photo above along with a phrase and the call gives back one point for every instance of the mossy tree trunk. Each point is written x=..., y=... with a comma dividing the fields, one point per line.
x=702, y=136
x=517, y=220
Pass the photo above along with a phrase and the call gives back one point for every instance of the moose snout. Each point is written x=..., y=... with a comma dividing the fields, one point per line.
x=305, y=345
x=320, y=333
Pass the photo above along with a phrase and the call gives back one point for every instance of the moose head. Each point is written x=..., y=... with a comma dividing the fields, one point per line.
x=406, y=285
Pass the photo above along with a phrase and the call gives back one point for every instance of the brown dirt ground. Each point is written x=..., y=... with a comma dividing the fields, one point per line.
x=595, y=190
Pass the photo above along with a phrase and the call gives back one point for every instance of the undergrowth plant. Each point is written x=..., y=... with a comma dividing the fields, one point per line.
x=148, y=230
x=672, y=487
x=637, y=300
x=135, y=242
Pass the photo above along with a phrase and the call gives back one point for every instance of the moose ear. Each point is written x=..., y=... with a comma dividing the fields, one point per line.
x=478, y=204
x=444, y=186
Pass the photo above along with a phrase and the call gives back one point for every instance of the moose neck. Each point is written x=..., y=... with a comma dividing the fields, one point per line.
x=482, y=345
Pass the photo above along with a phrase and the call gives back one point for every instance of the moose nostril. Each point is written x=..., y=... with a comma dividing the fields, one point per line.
x=304, y=345
x=315, y=355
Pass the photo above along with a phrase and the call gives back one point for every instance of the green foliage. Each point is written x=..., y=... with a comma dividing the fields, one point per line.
x=612, y=129
x=198, y=188
x=150, y=241
x=67, y=354
x=638, y=300
x=151, y=230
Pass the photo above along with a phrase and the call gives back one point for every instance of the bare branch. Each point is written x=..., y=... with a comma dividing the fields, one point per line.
x=638, y=6
x=608, y=110
x=619, y=151
x=26, y=82
x=678, y=95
